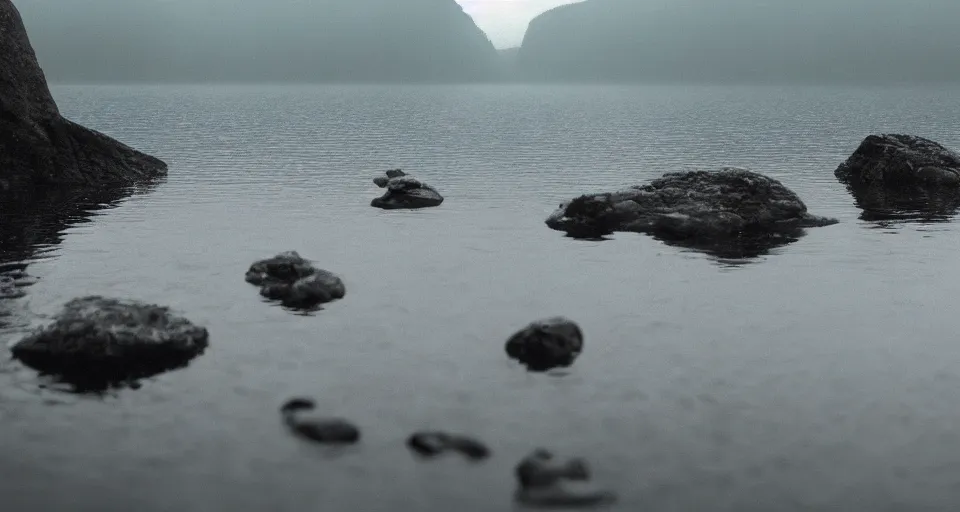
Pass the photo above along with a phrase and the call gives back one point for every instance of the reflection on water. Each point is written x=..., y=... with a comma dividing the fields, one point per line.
x=740, y=250
x=33, y=224
x=911, y=204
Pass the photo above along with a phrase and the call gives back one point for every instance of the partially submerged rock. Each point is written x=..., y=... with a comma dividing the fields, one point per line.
x=433, y=443
x=546, y=344
x=40, y=148
x=704, y=209
x=404, y=191
x=299, y=416
x=97, y=341
x=545, y=481
x=293, y=280
x=905, y=177
x=901, y=160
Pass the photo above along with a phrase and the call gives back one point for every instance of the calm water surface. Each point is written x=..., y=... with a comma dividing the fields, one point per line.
x=819, y=376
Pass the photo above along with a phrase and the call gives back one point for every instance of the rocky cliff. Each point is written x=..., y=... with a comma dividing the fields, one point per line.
x=38, y=147
x=766, y=41
x=277, y=41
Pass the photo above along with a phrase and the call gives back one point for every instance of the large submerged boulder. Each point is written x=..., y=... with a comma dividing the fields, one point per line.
x=699, y=208
x=294, y=281
x=98, y=341
x=39, y=147
x=894, y=176
x=404, y=191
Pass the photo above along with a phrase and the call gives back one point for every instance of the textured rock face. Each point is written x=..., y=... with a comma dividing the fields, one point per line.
x=697, y=208
x=404, y=191
x=37, y=145
x=294, y=281
x=98, y=341
x=893, y=160
x=546, y=344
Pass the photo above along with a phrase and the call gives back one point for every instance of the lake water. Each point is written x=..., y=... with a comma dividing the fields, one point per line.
x=822, y=375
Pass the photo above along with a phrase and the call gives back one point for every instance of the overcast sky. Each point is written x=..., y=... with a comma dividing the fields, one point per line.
x=505, y=21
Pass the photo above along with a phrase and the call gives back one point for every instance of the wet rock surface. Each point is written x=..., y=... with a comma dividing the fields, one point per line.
x=544, y=480
x=434, y=443
x=96, y=342
x=300, y=417
x=38, y=147
x=294, y=281
x=546, y=344
x=902, y=177
x=404, y=191
x=727, y=212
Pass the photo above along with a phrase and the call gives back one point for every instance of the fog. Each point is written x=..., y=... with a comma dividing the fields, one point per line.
x=750, y=41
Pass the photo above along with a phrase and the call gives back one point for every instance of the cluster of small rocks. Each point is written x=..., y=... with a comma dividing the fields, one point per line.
x=294, y=281
x=404, y=191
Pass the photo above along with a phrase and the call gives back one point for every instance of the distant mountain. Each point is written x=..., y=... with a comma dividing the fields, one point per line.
x=808, y=41
x=274, y=41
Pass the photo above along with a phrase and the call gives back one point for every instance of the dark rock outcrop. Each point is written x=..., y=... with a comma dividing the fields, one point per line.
x=97, y=341
x=545, y=481
x=432, y=443
x=903, y=177
x=294, y=281
x=298, y=416
x=893, y=160
x=743, y=41
x=38, y=147
x=404, y=191
x=717, y=211
x=546, y=344
x=281, y=40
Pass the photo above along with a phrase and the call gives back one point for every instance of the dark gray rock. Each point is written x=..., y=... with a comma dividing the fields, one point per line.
x=903, y=178
x=545, y=481
x=433, y=443
x=294, y=281
x=703, y=209
x=546, y=344
x=38, y=147
x=404, y=191
x=901, y=160
x=97, y=341
x=299, y=417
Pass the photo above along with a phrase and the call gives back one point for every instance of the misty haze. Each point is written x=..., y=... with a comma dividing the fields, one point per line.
x=479, y=255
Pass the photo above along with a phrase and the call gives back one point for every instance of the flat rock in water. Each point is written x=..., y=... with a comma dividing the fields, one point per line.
x=404, y=191
x=300, y=417
x=294, y=281
x=700, y=209
x=546, y=344
x=97, y=341
x=544, y=480
x=433, y=443
x=902, y=177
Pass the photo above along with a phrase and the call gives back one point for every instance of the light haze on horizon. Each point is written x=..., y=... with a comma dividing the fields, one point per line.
x=505, y=21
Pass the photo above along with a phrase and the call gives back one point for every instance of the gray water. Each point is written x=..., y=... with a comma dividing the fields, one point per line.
x=821, y=375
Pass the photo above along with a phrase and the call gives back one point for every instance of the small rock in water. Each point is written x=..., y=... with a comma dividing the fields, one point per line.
x=546, y=344
x=97, y=342
x=431, y=443
x=404, y=191
x=545, y=481
x=299, y=417
x=289, y=278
